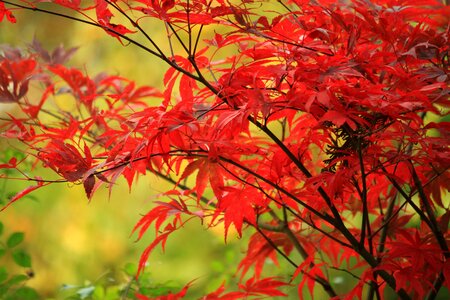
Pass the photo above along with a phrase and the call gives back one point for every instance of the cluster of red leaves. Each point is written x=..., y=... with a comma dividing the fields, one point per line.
x=259, y=288
x=17, y=73
x=6, y=12
x=324, y=131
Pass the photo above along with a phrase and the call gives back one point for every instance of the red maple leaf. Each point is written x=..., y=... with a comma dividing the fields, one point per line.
x=66, y=160
x=6, y=12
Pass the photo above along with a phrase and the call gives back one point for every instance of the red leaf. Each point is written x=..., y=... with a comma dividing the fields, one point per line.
x=82, y=86
x=104, y=16
x=259, y=251
x=167, y=4
x=14, y=78
x=6, y=12
x=160, y=239
x=309, y=275
x=237, y=205
x=12, y=164
x=23, y=193
x=72, y=4
x=89, y=185
x=267, y=287
x=177, y=296
x=433, y=87
x=66, y=160
x=19, y=131
x=335, y=117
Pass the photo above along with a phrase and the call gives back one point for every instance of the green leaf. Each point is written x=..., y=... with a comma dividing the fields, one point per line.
x=26, y=293
x=130, y=269
x=15, y=239
x=1, y=228
x=115, y=292
x=3, y=274
x=16, y=279
x=22, y=258
x=2, y=251
x=159, y=290
x=99, y=292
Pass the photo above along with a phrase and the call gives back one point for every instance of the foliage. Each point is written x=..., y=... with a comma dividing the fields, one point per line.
x=124, y=287
x=322, y=135
x=13, y=286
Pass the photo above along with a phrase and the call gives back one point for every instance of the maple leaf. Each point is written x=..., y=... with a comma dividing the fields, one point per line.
x=72, y=4
x=88, y=185
x=158, y=216
x=259, y=251
x=422, y=251
x=252, y=287
x=18, y=130
x=236, y=212
x=6, y=12
x=176, y=296
x=310, y=273
x=58, y=56
x=266, y=286
x=104, y=16
x=160, y=239
x=14, y=78
x=24, y=192
x=81, y=86
x=12, y=164
x=66, y=160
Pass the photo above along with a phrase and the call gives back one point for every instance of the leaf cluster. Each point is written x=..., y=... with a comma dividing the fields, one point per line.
x=13, y=286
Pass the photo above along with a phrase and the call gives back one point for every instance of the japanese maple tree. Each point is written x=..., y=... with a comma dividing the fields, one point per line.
x=324, y=134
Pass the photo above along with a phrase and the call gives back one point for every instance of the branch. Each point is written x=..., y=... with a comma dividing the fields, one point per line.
x=110, y=30
x=171, y=63
x=339, y=225
x=309, y=223
x=325, y=217
x=302, y=251
x=406, y=197
x=365, y=224
x=135, y=24
x=275, y=247
x=426, y=203
x=183, y=187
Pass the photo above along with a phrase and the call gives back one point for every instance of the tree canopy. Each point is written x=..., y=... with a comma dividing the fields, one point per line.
x=324, y=134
